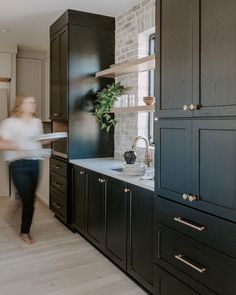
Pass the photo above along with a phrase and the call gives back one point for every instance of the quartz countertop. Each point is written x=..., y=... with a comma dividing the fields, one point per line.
x=105, y=166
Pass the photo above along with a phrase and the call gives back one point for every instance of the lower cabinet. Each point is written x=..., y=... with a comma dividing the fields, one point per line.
x=169, y=285
x=140, y=236
x=116, y=221
x=117, y=218
x=95, y=231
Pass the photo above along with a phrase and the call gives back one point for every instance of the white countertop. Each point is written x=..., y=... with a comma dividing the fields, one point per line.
x=104, y=166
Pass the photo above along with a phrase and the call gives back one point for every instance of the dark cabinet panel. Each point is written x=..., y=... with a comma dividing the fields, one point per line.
x=116, y=220
x=58, y=205
x=214, y=166
x=210, y=230
x=218, y=58
x=79, y=199
x=140, y=236
x=211, y=268
x=175, y=49
x=59, y=75
x=166, y=284
x=173, y=158
x=54, y=78
x=96, y=210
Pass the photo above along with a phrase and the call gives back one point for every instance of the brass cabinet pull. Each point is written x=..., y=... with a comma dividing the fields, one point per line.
x=56, y=166
x=82, y=172
x=57, y=184
x=56, y=205
x=182, y=259
x=190, y=198
x=127, y=190
x=186, y=108
x=101, y=180
x=190, y=224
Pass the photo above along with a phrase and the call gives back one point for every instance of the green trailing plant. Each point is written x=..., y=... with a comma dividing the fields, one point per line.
x=104, y=102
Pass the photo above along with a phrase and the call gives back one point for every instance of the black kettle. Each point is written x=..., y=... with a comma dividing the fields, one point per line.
x=130, y=157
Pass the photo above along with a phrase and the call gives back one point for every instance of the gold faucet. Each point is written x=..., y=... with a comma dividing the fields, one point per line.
x=148, y=158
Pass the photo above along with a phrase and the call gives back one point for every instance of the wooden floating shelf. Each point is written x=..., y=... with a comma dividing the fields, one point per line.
x=5, y=79
x=146, y=63
x=135, y=109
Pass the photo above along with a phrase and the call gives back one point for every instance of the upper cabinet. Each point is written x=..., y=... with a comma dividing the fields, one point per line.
x=198, y=58
x=59, y=75
x=5, y=66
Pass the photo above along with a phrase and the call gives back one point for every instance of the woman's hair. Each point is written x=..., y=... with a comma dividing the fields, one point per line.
x=16, y=110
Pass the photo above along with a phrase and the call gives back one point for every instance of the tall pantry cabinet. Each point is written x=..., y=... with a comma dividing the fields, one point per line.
x=81, y=44
x=196, y=147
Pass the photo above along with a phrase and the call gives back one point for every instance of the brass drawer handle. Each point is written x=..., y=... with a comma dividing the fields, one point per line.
x=185, y=222
x=82, y=173
x=56, y=166
x=56, y=205
x=101, y=180
x=190, y=198
x=182, y=259
x=57, y=184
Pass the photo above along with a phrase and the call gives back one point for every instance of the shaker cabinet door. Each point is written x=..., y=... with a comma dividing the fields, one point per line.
x=175, y=54
x=218, y=58
x=173, y=154
x=214, y=167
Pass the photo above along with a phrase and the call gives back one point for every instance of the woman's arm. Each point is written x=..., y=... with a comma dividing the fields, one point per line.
x=8, y=145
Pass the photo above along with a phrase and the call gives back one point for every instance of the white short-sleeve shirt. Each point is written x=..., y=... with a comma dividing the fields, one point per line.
x=23, y=133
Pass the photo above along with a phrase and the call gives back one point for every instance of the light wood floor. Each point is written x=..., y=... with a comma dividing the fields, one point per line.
x=60, y=263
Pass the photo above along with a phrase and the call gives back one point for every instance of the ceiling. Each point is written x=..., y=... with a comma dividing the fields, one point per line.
x=28, y=21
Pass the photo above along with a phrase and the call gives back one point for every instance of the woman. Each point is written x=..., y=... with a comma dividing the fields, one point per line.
x=18, y=135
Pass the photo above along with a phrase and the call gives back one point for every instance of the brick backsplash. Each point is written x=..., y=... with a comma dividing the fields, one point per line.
x=132, y=30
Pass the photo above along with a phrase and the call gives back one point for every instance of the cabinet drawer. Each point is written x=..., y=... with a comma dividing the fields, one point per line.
x=213, y=231
x=58, y=204
x=58, y=166
x=209, y=267
x=58, y=183
x=166, y=284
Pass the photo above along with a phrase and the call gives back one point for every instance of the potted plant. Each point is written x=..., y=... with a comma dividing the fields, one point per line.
x=104, y=102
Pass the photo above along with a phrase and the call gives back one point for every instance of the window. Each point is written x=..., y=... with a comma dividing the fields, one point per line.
x=151, y=91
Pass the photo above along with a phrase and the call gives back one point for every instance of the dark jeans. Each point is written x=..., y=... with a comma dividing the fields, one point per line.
x=25, y=175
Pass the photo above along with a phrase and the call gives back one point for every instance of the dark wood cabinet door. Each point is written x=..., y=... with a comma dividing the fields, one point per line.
x=173, y=155
x=174, y=51
x=54, y=78
x=63, y=82
x=116, y=218
x=140, y=262
x=59, y=75
x=214, y=167
x=79, y=199
x=96, y=210
x=166, y=284
x=218, y=58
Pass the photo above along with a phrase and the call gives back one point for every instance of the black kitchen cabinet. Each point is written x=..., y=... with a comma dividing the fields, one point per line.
x=169, y=285
x=80, y=186
x=116, y=221
x=77, y=52
x=59, y=75
x=197, y=58
x=60, y=193
x=207, y=266
x=96, y=197
x=196, y=164
x=140, y=236
x=173, y=154
x=175, y=47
